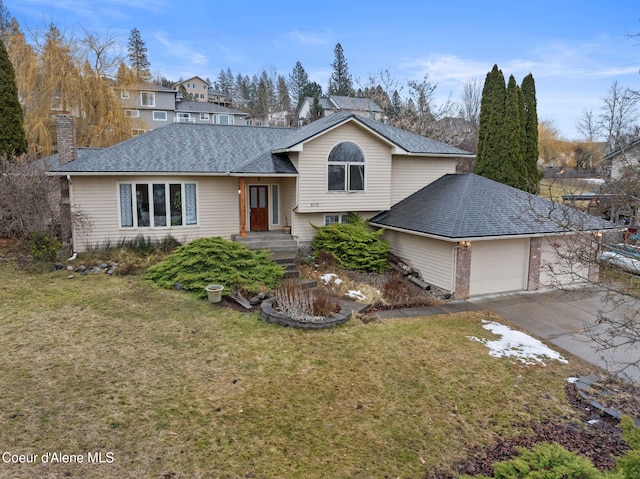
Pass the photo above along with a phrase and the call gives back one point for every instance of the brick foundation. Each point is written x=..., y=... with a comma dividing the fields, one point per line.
x=463, y=271
x=535, y=262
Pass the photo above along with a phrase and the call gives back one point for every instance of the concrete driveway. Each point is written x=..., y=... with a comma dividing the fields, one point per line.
x=560, y=318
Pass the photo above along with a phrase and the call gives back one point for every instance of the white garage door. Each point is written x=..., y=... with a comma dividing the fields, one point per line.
x=558, y=266
x=499, y=266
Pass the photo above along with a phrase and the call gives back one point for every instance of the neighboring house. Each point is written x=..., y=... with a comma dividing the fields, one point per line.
x=148, y=105
x=617, y=162
x=195, y=180
x=196, y=87
x=198, y=112
x=333, y=103
x=277, y=118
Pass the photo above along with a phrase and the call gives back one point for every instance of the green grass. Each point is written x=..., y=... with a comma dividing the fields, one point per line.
x=175, y=387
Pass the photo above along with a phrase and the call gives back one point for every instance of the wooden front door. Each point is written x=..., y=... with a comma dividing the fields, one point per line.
x=258, y=209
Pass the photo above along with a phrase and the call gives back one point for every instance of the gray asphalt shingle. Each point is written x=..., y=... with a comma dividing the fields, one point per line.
x=459, y=206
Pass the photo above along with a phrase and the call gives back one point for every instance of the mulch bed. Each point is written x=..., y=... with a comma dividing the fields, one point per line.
x=600, y=440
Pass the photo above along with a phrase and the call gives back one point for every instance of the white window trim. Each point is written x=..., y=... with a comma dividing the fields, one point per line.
x=347, y=173
x=132, y=113
x=204, y=116
x=152, y=94
x=343, y=218
x=151, y=212
x=124, y=94
x=159, y=119
x=137, y=131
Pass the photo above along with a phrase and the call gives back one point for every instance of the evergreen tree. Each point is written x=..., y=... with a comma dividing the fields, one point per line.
x=298, y=80
x=508, y=132
x=531, y=133
x=283, y=102
x=13, y=140
x=137, y=53
x=491, y=123
x=512, y=171
x=340, y=82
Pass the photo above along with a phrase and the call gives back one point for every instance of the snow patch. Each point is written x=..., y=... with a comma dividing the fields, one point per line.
x=516, y=345
x=355, y=294
x=330, y=278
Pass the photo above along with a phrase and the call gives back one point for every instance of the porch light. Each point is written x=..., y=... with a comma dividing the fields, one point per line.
x=464, y=244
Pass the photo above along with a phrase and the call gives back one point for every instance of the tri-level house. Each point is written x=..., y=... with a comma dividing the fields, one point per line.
x=465, y=234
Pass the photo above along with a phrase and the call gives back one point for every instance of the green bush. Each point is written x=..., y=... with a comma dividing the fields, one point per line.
x=629, y=464
x=353, y=245
x=44, y=247
x=216, y=260
x=545, y=461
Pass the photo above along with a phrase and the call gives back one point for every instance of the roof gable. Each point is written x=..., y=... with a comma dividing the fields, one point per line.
x=461, y=206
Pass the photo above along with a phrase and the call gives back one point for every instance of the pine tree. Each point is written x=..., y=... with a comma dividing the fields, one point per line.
x=283, y=102
x=138, y=61
x=13, y=141
x=340, y=82
x=531, y=133
x=298, y=80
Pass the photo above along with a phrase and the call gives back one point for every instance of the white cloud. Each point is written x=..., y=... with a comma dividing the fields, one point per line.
x=182, y=50
x=309, y=38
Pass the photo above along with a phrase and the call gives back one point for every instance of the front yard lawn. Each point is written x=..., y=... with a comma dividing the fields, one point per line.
x=164, y=385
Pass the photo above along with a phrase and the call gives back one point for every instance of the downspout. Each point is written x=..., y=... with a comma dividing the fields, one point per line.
x=243, y=213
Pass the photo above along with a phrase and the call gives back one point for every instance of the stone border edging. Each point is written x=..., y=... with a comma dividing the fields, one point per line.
x=272, y=316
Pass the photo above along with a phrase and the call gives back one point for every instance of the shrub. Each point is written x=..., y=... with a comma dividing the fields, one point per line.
x=216, y=260
x=353, y=245
x=629, y=464
x=546, y=461
x=299, y=303
x=44, y=247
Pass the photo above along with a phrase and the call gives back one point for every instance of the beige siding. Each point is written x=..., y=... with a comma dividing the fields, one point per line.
x=499, y=266
x=411, y=173
x=303, y=221
x=312, y=167
x=557, y=267
x=97, y=199
x=432, y=258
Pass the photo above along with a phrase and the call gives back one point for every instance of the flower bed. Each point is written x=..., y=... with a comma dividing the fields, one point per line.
x=311, y=322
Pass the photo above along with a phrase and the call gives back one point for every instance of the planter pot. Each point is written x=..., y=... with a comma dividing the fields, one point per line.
x=214, y=292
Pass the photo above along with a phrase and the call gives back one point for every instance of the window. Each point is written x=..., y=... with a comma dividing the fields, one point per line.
x=336, y=218
x=157, y=205
x=204, y=116
x=346, y=168
x=124, y=94
x=132, y=113
x=147, y=98
x=159, y=116
x=224, y=119
x=137, y=131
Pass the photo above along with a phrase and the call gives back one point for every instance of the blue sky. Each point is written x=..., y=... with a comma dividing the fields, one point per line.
x=574, y=49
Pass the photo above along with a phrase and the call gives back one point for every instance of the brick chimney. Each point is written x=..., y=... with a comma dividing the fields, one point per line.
x=66, y=138
x=66, y=142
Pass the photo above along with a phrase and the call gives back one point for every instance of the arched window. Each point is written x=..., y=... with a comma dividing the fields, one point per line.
x=346, y=168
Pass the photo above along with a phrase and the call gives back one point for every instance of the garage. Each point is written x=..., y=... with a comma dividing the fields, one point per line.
x=556, y=265
x=499, y=266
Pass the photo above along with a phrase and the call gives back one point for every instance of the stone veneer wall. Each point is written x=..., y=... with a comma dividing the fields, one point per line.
x=535, y=258
x=463, y=272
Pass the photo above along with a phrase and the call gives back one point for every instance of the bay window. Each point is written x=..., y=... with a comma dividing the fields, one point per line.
x=157, y=205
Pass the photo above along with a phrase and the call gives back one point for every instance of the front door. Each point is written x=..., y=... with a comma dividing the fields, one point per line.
x=258, y=210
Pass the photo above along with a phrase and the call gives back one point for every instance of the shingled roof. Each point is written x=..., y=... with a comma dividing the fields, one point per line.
x=221, y=149
x=458, y=206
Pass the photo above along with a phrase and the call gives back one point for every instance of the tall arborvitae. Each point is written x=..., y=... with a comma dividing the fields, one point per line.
x=512, y=138
x=508, y=132
x=491, y=125
x=13, y=141
x=531, y=133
